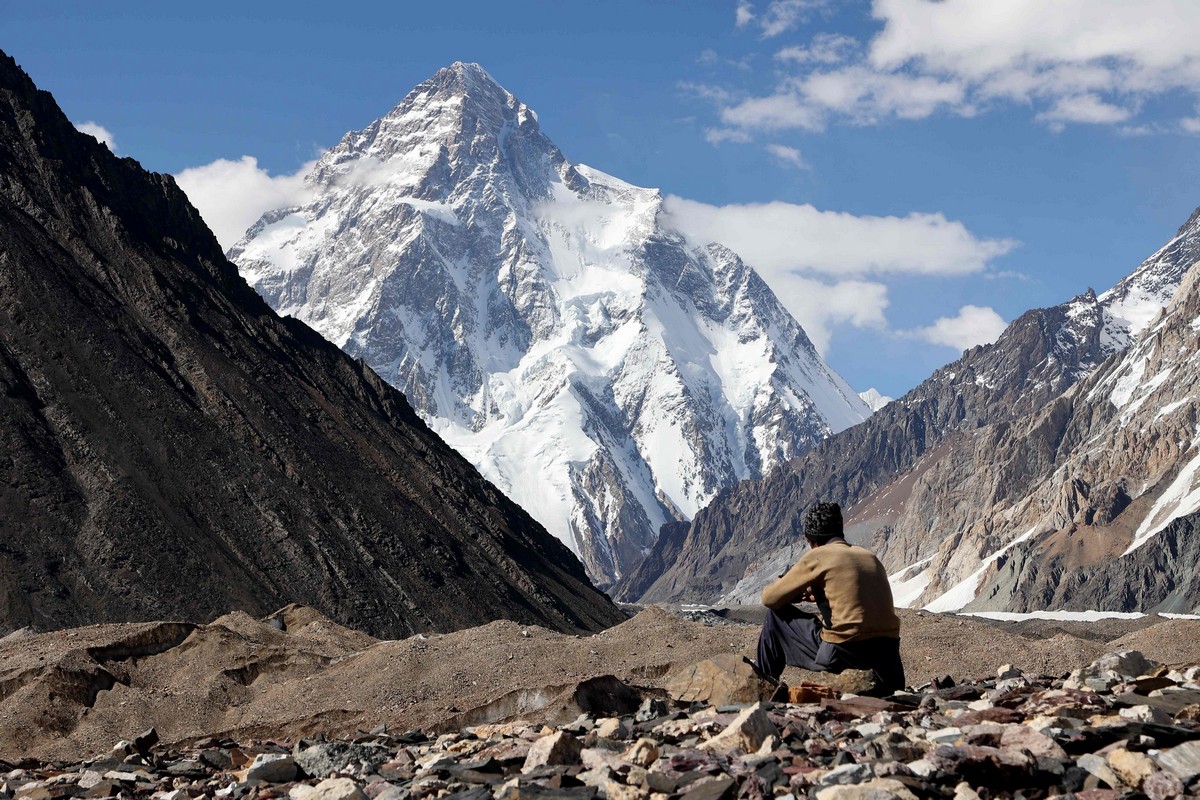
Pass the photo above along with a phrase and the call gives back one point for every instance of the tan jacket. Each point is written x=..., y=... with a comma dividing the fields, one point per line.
x=853, y=582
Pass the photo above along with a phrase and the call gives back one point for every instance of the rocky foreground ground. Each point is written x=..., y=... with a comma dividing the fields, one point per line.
x=297, y=706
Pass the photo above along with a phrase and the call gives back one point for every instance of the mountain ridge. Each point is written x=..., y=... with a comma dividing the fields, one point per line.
x=735, y=545
x=170, y=445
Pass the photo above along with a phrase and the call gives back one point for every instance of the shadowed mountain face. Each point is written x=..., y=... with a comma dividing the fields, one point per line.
x=748, y=534
x=170, y=447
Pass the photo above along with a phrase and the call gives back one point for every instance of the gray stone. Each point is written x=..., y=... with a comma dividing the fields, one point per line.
x=1024, y=738
x=272, y=768
x=651, y=709
x=874, y=789
x=328, y=789
x=555, y=749
x=1182, y=761
x=746, y=732
x=721, y=787
x=846, y=774
x=1098, y=766
x=1162, y=786
x=944, y=735
x=329, y=758
x=1126, y=663
x=1146, y=713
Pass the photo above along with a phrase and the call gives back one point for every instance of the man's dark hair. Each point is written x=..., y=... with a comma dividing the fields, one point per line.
x=823, y=521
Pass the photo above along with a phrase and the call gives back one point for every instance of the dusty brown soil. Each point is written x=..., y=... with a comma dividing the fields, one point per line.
x=70, y=694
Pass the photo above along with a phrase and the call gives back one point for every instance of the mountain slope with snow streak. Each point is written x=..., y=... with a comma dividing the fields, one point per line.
x=1099, y=509
x=901, y=476
x=607, y=374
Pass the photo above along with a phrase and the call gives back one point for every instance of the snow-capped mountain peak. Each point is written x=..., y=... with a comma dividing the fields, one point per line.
x=601, y=370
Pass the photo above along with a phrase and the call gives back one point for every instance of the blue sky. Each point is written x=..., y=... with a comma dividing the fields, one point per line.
x=962, y=161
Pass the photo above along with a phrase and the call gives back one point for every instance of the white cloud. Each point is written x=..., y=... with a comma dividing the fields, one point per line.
x=788, y=155
x=1151, y=40
x=774, y=113
x=853, y=93
x=825, y=48
x=721, y=135
x=818, y=262
x=973, y=325
x=1190, y=124
x=232, y=195
x=1071, y=62
x=101, y=133
x=744, y=14
x=707, y=91
x=783, y=15
x=1086, y=108
x=819, y=307
x=784, y=236
x=867, y=96
x=711, y=58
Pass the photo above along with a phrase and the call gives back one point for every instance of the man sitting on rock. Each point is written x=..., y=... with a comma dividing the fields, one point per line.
x=858, y=627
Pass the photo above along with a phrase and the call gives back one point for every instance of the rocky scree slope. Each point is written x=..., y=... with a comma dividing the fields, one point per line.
x=1090, y=503
x=544, y=318
x=68, y=695
x=747, y=535
x=171, y=446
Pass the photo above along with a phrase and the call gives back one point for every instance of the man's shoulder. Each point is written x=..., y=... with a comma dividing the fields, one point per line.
x=853, y=552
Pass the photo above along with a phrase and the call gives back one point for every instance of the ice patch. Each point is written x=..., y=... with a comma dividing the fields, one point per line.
x=964, y=591
x=1182, y=497
x=1171, y=408
x=906, y=590
x=1069, y=616
x=1128, y=383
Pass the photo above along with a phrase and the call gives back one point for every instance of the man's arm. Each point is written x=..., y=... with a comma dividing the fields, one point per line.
x=797, y=582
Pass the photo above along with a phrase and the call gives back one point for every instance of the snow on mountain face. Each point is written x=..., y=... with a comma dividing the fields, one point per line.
x=874, y=399
x=1118, y=315
x=604, y=372
x=1132, y=434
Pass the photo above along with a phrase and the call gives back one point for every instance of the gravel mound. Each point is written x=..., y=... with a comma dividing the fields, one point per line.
x=67, y=695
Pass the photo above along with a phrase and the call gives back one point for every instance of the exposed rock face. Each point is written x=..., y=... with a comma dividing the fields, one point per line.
x=169, y=446
x=733, y=547
x=1089, y=503
x=543, y=317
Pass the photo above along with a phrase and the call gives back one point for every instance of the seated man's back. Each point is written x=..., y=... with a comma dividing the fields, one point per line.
x=849, y=585
x=858, y=627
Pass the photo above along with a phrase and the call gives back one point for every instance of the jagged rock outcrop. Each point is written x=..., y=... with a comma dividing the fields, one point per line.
x=545, y=318
x=169, y=446
x=1069, y=507
x=738, y=543
x=1161, y=575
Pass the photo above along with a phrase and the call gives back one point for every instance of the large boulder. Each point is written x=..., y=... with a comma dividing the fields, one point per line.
x=721, y=680
x=1111, y=669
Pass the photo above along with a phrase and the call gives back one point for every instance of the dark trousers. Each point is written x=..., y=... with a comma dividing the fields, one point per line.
x=791, y=636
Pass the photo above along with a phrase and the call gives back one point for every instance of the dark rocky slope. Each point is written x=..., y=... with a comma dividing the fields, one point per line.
x=1038, y=357
x=1159, y=576
x=170, y=447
